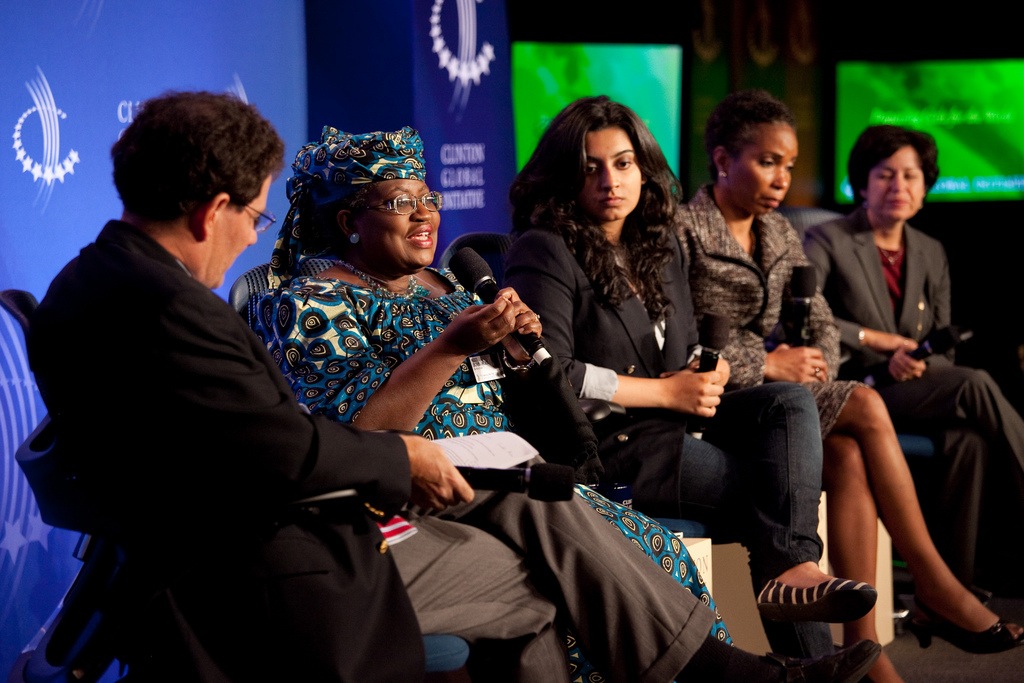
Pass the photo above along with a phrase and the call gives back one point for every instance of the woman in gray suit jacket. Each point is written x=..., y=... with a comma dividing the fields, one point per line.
x=888, y=286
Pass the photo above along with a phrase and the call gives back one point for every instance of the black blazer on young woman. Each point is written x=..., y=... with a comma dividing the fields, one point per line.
x=579, y=329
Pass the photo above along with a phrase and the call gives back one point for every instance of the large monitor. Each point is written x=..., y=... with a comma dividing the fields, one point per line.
x=548, y=76
x=973, y=107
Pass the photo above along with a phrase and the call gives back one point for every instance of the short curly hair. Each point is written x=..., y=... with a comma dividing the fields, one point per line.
x=183, y=148
x=733, y=121
x=877, y=143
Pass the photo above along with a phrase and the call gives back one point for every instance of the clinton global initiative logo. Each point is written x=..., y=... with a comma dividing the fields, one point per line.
x=466, y=65
x=47, y=166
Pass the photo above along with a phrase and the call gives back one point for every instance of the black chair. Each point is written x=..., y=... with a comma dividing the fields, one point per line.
x=74, y=645
x=492, y=246
x=19, y=304
x=70, y=644
x=245, y=292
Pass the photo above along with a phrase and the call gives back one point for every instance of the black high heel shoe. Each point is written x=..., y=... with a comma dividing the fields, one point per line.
x=996, y=638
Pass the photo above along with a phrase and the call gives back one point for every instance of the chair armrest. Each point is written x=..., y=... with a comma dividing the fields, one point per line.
x=597, y=409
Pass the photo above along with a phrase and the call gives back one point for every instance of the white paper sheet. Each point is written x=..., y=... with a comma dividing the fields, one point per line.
x=497, y=449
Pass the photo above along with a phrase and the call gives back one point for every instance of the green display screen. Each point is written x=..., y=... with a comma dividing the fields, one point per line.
x=973, y=108
x=548, y=76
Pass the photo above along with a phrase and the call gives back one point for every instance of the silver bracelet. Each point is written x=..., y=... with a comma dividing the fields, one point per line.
x=511, y=365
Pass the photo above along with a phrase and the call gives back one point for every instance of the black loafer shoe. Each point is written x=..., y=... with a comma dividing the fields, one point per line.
x=844, y=666
x=835, y=600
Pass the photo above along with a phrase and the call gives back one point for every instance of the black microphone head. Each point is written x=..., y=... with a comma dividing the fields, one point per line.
x=473, y=273
x=714, y=331
x=940, y=341
x=803, y=282
x=550, y=482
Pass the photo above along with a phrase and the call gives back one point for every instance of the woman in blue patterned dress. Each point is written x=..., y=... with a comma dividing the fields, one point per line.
x=385, y=341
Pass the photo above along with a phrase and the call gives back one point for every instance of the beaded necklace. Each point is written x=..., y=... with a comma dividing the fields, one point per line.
x=413, y=289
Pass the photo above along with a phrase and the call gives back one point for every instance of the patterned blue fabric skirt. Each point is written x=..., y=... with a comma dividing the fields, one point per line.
x=665, y=549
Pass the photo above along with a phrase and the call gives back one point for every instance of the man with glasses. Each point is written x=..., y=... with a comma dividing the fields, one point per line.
x=190, y=450
x=260, y=220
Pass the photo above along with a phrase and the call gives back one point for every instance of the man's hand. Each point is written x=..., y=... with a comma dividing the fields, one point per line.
x=436, y=484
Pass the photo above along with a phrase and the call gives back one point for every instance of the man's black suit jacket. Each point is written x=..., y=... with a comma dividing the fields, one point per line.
x=190, y=447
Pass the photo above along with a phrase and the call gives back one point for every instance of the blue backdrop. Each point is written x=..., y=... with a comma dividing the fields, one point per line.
x=439, y=66
x=73, y=75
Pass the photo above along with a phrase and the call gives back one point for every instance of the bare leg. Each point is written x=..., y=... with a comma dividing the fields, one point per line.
x=865, y=419
x=853, y=535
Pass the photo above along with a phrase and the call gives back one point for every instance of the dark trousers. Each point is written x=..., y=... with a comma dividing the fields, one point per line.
x=754, y=477
x=982, y=464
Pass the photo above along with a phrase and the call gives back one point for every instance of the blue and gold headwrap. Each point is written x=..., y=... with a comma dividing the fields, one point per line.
x=332, y=169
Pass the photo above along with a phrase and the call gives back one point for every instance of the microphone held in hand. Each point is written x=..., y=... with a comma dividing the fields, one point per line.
x=474, y=274
x=939, y=341
x=544, y=481
x=796, y=311
x=713, y=336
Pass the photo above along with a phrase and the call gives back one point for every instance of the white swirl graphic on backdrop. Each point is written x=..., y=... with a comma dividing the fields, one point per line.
x=49, y=169
x=466, y=68
x=90, y=11
x=238, y=89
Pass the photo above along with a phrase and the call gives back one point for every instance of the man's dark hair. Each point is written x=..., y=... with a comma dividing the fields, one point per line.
x=183, y=148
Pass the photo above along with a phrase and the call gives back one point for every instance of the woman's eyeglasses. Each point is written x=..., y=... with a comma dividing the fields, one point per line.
x=404, y=204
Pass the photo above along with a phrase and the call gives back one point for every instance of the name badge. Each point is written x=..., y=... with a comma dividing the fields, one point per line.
x=485, y=368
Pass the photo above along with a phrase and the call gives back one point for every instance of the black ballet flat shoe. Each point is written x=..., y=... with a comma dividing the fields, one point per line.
x=843, y=666
x=996, y=638
x=835, y=600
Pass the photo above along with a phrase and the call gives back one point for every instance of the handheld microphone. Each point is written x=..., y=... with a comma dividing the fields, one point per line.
x=796, y=314
x=938, y=341
x=544, y=481
x=713, y=337
x=474, y=274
